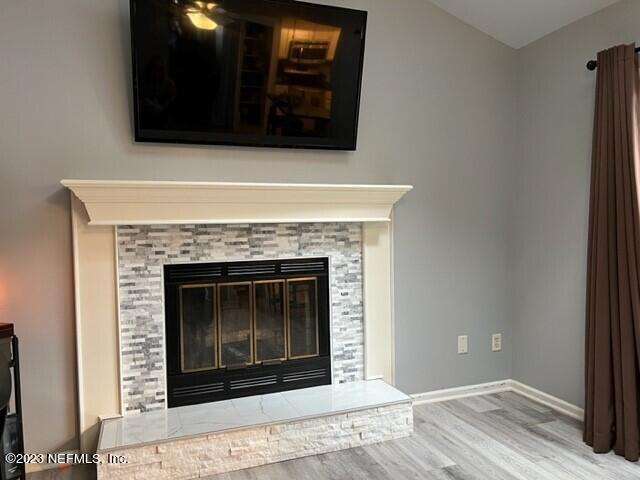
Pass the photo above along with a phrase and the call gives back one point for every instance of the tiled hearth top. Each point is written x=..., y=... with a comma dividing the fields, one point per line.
x=184, y=422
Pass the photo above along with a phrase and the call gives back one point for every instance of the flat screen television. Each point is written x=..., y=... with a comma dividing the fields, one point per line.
x=269, y=73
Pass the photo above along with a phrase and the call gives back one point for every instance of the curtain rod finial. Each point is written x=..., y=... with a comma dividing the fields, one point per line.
x=592, y=65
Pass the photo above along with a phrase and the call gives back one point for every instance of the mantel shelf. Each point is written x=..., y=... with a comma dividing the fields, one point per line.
x=150, y=202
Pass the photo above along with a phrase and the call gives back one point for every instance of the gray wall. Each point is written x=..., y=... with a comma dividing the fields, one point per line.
x=551, y=198
x=438, y=111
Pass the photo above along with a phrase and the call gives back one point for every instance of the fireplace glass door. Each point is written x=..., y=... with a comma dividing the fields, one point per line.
x=303, y=318
x=254, y=321
x=198, y=349
x=269, y=308
x=236, y=345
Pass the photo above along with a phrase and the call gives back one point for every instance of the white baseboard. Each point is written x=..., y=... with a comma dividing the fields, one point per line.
x=507, y=385
x=461, y=392
x=550, y=401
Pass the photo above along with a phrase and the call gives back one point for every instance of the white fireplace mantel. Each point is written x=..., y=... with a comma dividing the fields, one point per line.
x=148, y=202
x=98, y=206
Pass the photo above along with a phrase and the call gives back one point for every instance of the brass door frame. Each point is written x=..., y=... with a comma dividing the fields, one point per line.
x=285, y=306
x=251, y=318
x=315, y=283
x=215, y=327
x=217, y=321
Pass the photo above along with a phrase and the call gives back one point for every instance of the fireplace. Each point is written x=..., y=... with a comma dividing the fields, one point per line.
x=236, y=329
x=125, y=232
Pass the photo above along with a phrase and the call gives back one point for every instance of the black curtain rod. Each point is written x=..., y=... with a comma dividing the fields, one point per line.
x=592, y=64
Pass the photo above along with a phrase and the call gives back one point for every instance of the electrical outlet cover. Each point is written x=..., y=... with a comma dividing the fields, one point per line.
x=463, y=344
x=496, y=342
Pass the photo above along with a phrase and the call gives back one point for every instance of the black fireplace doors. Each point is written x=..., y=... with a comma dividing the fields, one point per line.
x=244, y=328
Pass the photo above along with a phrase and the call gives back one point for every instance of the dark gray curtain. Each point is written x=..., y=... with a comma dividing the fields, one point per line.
x=613, y=284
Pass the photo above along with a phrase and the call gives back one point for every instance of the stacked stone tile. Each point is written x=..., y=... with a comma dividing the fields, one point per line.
x=226, y=451
x=143, y=250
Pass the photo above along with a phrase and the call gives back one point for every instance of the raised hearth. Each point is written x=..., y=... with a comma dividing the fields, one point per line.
x=200, y=440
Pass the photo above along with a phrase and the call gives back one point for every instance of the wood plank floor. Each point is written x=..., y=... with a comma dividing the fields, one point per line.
x=497, y=437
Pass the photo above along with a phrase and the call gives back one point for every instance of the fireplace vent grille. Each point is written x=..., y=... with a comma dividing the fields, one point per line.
x=252, y=269
x=306, y=375
x=198, y=390
x=197, y=271
x=254, y=382
x=192, y=271
x=302, y=266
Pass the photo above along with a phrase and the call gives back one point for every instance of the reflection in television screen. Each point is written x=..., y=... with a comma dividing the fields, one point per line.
x=247, y=72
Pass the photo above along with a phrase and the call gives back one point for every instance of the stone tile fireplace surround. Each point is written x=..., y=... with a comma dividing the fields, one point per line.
x=124, y=232
x=144, y=249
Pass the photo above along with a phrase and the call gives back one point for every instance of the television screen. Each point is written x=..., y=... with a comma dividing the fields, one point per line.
x=276, y=73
